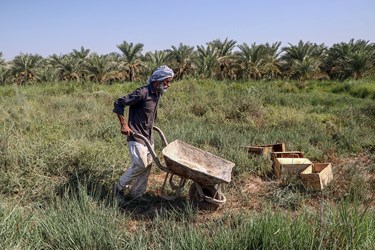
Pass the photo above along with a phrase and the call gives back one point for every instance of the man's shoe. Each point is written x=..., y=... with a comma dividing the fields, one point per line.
x=119, y=195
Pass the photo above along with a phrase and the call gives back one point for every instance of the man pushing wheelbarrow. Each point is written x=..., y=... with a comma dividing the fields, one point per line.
x=185, y=161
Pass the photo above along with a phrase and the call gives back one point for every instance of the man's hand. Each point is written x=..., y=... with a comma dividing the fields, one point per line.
x=125, y=130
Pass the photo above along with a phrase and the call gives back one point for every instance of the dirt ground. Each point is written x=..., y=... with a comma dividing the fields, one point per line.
x=252, y=194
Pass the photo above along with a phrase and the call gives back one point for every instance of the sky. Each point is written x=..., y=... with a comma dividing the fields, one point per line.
x=47, y=27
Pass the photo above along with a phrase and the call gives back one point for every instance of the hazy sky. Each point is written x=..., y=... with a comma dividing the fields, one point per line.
x=47, y=27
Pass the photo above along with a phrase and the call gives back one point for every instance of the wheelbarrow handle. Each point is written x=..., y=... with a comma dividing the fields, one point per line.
x=153, y=154
x=162, y=136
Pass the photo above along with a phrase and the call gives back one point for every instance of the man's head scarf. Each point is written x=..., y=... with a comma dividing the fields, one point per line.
x=160, y=74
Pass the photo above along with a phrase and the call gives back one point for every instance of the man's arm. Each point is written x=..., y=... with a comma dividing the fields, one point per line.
x=119, y=105
x=125, y=129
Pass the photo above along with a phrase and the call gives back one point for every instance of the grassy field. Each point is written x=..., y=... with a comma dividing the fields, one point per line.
x=61, y=151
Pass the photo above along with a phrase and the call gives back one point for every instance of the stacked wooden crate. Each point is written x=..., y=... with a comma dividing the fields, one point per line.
x=288, y=165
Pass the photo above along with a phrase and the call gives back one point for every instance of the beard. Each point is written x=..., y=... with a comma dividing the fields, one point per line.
x=162, y=89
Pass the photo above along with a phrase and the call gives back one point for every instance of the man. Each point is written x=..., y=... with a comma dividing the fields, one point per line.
x=143, y=103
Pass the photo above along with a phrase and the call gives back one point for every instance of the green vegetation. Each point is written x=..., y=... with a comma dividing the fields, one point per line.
x=61, y=151
x=218, y=60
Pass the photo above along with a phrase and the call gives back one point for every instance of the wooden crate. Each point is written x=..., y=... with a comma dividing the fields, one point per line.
x=277, y=147
x=317, y=176
x=265, y=150
x=259, y=150
x=290, y=167
x=287, y=154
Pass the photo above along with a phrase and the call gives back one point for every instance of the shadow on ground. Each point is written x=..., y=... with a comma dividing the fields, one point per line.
x=85, y=182
x=151, y=206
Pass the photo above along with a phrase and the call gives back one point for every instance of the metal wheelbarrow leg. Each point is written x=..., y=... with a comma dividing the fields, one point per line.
x=206, y=197
x=169, y=174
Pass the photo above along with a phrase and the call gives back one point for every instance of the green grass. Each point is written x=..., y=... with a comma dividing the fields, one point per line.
x=61, y=151
x=83, y=222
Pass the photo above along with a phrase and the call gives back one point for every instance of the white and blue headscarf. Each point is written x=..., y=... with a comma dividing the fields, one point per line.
x=160, y=74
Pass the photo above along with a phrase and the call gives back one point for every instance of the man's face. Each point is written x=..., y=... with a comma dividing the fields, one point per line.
x=164, y=85
x=167, y=82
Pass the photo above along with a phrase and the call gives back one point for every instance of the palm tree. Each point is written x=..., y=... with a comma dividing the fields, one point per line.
x=206, y=60
x=251, y=60
x=67, y=67
x=81, y=54
x=224, y=47
x=181, y=59
x=224, y=59
x=2, y=61
x=304, y=61
x=351, y=59
x=132, y=58
x=306, y=69
x=4, y=73
x=272, y=64
x=155, y=59
x=101, y=68
x=45, y=72
x=23, y=67
x=3, y=70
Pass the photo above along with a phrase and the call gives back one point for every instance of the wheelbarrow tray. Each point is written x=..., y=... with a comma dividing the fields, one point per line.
x=198, y=165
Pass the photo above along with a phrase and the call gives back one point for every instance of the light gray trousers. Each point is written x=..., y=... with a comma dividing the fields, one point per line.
x=137, y=174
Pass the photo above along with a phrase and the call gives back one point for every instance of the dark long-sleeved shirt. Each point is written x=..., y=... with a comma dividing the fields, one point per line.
x=142, y=104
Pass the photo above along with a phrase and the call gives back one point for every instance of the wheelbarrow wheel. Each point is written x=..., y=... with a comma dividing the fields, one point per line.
x=200, y=202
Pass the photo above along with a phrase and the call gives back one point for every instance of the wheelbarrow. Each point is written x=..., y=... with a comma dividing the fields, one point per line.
x=206, y=171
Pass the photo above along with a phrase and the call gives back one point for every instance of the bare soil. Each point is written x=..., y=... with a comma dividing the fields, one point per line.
x=252, y=194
